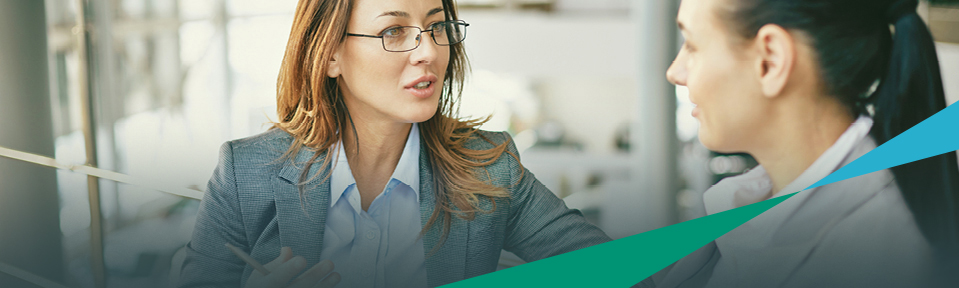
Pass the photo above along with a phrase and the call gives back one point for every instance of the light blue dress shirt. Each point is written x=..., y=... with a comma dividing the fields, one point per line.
x=381, y=247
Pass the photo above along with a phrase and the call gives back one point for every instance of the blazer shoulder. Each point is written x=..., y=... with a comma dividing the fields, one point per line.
x=885, y=214
x=481, y=140
x=879, y=239
x=272, y=137
x=485, y=140
x=260, y=148
x=506, y=169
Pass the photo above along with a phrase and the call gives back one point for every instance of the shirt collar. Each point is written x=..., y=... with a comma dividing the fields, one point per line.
x=755, y=185
x=407, y=169
x=830, y=160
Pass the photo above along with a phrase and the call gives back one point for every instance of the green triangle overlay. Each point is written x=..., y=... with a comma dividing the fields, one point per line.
x=628, y=261
x=624, y=262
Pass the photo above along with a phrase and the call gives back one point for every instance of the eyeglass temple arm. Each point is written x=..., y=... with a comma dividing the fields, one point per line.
x=361, y=35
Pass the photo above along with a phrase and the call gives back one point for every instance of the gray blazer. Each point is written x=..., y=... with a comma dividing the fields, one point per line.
x=854, y=233
x=252, y=202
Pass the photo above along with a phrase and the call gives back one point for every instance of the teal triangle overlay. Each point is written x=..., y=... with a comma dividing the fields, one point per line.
x=627, y=261
x=624, y=262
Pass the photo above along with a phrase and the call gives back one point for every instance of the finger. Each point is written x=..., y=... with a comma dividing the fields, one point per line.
x=285, y=254
x=329, y=282
x=314, y=275
x=286, y=271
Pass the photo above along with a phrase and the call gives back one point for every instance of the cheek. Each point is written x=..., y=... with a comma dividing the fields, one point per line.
x=372, y=74
x=707, y=83
x=732, y=109
x=442, y=62
x=714, y=87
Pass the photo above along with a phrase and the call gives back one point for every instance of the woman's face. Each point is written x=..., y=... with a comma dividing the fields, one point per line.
x=378, y=85
x=721, y=79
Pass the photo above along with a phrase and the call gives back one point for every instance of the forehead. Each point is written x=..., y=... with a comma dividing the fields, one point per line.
x=696, y=14
x=370, y=10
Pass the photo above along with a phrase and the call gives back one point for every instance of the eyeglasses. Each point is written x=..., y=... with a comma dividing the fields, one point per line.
x=407, y=38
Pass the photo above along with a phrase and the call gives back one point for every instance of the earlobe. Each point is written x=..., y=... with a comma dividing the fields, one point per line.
x=777, y=55
x=333, y=68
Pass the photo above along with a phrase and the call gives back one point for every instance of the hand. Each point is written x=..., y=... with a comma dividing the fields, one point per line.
x=284, y=267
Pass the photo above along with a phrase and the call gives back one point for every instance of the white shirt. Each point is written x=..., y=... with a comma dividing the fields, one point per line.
x=380, y=247
x=755, y=185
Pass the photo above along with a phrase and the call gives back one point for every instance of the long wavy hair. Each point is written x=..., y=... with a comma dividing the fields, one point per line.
x=310, y=107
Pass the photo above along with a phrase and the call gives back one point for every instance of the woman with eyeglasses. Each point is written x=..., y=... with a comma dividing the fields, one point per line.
x=369, y=172
x=805, y=87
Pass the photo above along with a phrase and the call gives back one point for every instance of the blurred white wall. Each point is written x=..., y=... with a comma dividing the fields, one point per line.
x=949, y=66
x=582, y=67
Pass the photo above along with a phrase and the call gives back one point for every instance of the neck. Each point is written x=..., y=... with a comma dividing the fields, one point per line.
x=800, y=133
x=374, y=146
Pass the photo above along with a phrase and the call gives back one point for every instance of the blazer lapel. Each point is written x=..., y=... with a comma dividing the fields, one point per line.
x=302, y=220
x=447, y=264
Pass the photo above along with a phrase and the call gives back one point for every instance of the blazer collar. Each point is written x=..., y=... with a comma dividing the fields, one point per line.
x=302, y=219
x=447, y=263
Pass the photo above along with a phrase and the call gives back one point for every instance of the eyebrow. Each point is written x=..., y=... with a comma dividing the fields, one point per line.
x=407, y=15
x=395, y=14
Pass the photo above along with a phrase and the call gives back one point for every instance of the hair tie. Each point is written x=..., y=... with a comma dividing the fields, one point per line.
x=901, y=8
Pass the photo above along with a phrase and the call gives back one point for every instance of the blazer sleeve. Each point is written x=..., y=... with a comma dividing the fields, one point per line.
x=540, y=225
x=208, y=262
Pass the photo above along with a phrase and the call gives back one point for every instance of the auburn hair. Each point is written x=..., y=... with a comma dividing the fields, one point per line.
x=310, y=107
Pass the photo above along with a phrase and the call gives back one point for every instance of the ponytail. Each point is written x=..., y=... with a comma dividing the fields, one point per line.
x=910, y=92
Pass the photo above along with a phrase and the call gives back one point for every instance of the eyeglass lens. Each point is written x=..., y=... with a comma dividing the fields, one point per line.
x=408, y=38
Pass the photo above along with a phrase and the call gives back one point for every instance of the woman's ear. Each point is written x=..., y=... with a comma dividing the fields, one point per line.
x=333, y=70
x=777, y=54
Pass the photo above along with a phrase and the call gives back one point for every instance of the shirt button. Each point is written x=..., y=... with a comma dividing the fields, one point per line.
x=370, y=235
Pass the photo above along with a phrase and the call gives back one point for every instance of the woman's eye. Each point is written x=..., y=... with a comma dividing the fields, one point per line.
x=392, y=32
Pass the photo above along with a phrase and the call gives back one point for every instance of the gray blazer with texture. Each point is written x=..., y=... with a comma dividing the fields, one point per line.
x=252, y=202
x=854, y=233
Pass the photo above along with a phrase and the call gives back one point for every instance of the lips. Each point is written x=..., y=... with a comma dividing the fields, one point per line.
x=422, y=87
x=696, y=110
x=418, y=81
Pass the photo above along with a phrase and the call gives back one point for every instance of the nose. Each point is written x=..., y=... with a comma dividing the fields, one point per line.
x=676, y=73
x=427, y=52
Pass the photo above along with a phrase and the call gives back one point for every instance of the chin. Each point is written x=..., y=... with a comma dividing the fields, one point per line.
x=421, y=116
x=712, y=142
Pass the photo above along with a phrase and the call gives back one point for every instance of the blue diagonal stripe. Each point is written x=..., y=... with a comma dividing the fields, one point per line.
x=626, y=261
x=937, y=135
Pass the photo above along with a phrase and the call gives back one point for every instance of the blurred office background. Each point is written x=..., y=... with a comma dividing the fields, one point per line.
x=151, y=88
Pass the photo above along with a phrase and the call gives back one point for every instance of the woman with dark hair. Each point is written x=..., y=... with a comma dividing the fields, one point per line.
x=369, y=173
x=805, y=87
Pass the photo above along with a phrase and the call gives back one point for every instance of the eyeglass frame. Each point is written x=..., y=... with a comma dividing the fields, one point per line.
x=418, y=35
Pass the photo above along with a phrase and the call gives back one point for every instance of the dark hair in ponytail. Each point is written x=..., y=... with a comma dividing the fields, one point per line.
x=856, y=48
x=910, y=92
